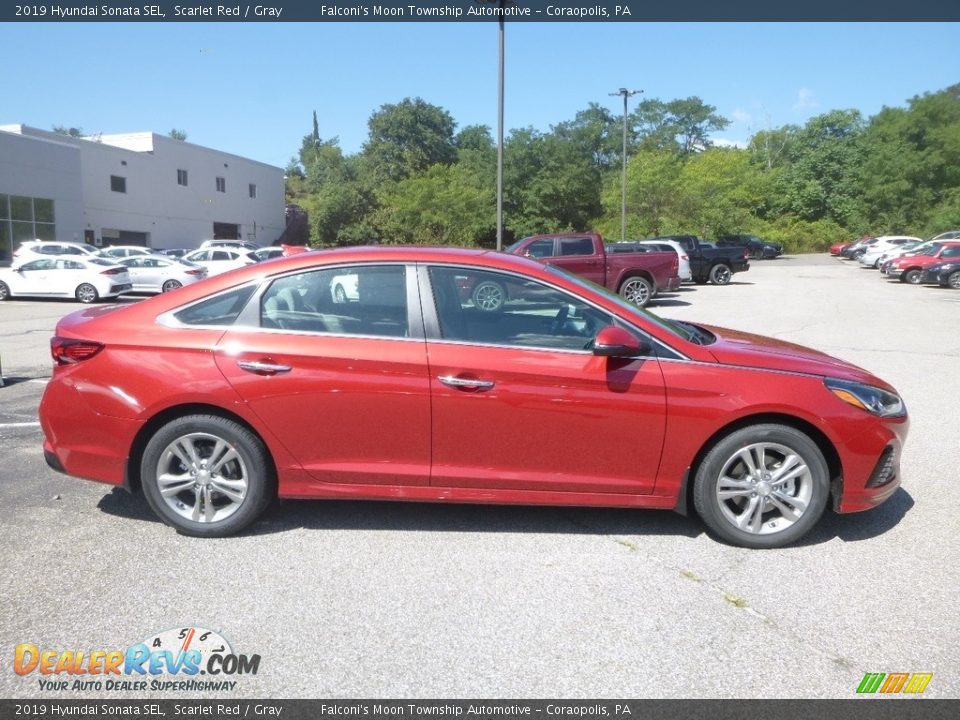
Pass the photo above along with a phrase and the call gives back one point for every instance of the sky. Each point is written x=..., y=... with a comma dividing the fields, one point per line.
x=251, y=89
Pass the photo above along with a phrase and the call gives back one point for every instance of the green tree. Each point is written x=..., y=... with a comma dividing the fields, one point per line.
x=653, y=196
x=407, y=138
x=722, y=191
x=825, y=161
x=178, y=134
x=445, y=205
x=683, y=125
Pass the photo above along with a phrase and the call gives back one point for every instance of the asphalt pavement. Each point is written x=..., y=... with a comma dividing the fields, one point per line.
x=373, y=600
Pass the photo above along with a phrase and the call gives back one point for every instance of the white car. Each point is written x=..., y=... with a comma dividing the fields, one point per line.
x=684, y=269
x=160, y=273
x=220, y=260
x=121, y=251
x=86, y=279
x=884, y=244
x=232, y=244
x=50, y=248
x=344, y=288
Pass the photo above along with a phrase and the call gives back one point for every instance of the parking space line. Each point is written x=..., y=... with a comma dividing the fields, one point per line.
x=19, y=424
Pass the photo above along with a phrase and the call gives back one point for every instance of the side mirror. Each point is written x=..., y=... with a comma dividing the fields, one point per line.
x=613, y=341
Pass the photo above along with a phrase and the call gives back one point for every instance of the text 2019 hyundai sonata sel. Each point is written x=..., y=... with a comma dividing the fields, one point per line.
x=259, y=383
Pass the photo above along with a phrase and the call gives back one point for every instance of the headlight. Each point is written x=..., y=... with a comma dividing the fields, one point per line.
x=866, y=397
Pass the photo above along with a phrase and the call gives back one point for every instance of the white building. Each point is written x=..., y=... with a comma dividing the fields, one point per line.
x=132, y=189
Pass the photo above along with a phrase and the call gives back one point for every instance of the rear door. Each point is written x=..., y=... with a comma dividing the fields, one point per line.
x=580, y=256
x=343, y=385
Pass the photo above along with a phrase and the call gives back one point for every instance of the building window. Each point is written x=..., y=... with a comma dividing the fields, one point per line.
x=24, y=218
x=253, y=190
x=221, y=184
x=182, y=177
x=118, y=184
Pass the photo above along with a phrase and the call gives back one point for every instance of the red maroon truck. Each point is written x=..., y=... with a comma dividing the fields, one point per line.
x=637, y=276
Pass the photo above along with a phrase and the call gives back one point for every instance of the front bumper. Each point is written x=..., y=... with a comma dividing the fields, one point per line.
x=894, y=272
x=871, y=475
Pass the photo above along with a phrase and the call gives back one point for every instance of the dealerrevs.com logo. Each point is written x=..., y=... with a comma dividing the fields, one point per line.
x=186, y=659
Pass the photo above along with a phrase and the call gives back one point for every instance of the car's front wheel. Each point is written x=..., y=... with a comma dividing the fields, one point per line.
x=86, y=293
x=720, y=275
x=206, y=476
x=912, y=276
x=763, y=486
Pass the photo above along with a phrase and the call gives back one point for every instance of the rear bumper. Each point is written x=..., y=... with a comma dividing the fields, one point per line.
x=740, y=265
x=672, y=283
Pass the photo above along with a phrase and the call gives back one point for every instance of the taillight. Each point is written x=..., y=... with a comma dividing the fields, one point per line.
x=66, y=351
x=113, y=271
x=746, y=254
x=194, y=272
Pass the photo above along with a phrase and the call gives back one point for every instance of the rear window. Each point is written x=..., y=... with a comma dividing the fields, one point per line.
x=221, y=309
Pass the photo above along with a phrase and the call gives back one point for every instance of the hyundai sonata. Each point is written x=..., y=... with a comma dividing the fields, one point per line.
x=263, y=382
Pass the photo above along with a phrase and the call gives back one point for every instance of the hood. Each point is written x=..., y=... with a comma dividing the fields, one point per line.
x=733, y=347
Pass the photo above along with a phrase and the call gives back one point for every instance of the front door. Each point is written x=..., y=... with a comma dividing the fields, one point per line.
x=520, y=402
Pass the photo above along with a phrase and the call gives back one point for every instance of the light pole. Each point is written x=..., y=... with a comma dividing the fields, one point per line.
x=500, y=138
x=623, y=182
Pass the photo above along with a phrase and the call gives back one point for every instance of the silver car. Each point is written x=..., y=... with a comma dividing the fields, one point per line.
x=161, y=273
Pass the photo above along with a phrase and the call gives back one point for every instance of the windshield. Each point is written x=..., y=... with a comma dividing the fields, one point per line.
x=681, y=331
x=511, y=248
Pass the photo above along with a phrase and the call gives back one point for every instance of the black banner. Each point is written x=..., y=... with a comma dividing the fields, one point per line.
x=480, y=11
x=886, y=709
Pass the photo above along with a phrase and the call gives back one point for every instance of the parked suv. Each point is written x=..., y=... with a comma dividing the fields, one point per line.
x=757, y=247
x=32, y=249
x=234, y=244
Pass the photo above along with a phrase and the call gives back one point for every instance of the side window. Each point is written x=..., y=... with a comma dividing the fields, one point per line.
x=69, y=265
x=219, y=310
x=540, y=248
x=357, y=300
x=223, y=255
x=488, y=308
x=200, y=256
x=39, y=265
x=951, y=252
x=576, y=246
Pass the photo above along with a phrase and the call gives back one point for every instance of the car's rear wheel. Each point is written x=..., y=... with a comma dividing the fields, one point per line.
x=912, y=276
x=171, y=285
x=720, y=274
x=339, y=294
x=489, y=296
x=763, y=486
x=953, y=280
x=4, y=291
x=206, y=476
x=637, y=290
x=86, y=293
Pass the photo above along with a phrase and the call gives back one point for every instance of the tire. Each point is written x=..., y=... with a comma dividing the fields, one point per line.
x=171, y=285
x=757, y=510
x=4, y=292
x=203, y=502
x=489, y=296
x=339, y=294
x=953, y=281
x=912, y=276
x=720, y=274
x=637, y=290
x=86, y=293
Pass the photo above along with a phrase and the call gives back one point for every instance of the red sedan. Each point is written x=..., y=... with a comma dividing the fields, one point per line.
x=263, y=382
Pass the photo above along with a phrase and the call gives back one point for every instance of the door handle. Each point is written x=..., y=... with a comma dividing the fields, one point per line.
x=465, y=383
x=262, y=367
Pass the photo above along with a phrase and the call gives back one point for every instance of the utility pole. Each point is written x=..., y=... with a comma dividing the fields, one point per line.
x=623, y=182
x=500, y=138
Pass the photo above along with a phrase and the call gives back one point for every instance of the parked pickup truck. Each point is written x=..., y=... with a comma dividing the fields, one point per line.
x=714, y=264
x=637, y=276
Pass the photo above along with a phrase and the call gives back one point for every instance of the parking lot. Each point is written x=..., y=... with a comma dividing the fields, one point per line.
x=351, y=599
